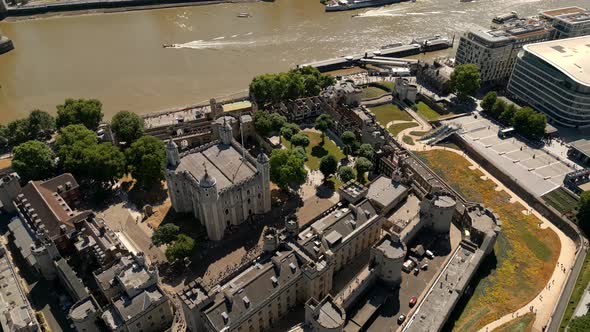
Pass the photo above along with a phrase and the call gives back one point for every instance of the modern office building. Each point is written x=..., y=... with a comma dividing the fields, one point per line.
x=554, y=78
x=494, y=50
x=568, y=22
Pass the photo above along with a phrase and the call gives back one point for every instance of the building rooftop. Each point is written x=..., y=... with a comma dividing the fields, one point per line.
x=444, y=201
x=106, y=277
x=82, y=309
x=253, y=287
x=511, y=29
x=74, y=283
x=563, y=12
x=23, y=238
x=385, y=191
x=571, y=56
x=43, y=201
x=392, y=247
x=126, y=308
x=582, y=145
x=223, y=162
x=329, y=314
x=444, y=293
x=169, y=118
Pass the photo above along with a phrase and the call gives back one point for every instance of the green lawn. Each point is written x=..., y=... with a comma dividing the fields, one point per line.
x=408, y=140
x=426, y=112
x=562, y=200
x=418, y=133
x=581, y=283
x=315, y=151
x=389, y=112
x=398, y=127
x=372, y=92
x=520, y=324
x=524, y=254
x=386, y=85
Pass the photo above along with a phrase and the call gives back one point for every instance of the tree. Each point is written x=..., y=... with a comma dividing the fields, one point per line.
x=262, y=123
x=580, y=324
x=301, y=152
x=145, y=161
x=498, y=108
x=71, y=146
x=367, y=151
x=127, y=126
x=80, y=111
x=488, y=101
x=328, y=166
x=362, y=165
x=346, y=173
x=348, y=137
x=41, y=124
x=507, y=115
x=181, y=248
x=300, y=139
x=289, y=129
x=465, y=80
x=324, y=123
x=584, y=212
x=287, y=168
x=17, y=132
x=277, y=121
x=530, y=123
x=103, y=163
x=33, y=160
x=165, y=234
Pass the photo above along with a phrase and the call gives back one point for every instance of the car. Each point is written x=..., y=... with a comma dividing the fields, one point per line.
x=413, y=301
x=429, y=254
x=401, y=319
x=424, y=267
x=416, y=271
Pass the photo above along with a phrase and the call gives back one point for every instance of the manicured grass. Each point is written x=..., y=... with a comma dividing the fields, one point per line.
x=372, y=92
x=408, y=140
x=562, y=200
x=398, y=127
x=389, y=112
x=520, y=324
x=385, y=85
x=525, y=255
x=426, y=112
x=315, y=151
x=449, y=145
x=581, y=283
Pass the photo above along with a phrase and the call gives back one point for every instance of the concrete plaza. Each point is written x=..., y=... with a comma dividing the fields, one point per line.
x=534, y=168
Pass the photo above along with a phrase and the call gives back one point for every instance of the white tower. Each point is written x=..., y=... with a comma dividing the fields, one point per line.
x=208, y=206
x=263, y=166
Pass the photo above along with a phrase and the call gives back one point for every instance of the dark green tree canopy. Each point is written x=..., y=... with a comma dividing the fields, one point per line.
x=508, y=114
x=367, y=151
x=346, y=173
x=165, y=234
x=287, y=168
x=584, y=212
x=145, y=161
x=498, y=108
x=465, y=80
x=127, y=126
x=103, y=163
x=289, y=129
x=529, y=123
x=300, y=139
x=324, y=123
x=580, y=324
x=301, y=82
x=362, y=165
x=79, y=111
x=33, y=160
x=328, y=165
x=181, y=248
x=41, y=124
x=488, y=101
x=266, y=123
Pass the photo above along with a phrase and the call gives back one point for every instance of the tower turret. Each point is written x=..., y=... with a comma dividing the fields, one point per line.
x=172, y=155
x=209, y=206
x=263, y=166
x=225, y=132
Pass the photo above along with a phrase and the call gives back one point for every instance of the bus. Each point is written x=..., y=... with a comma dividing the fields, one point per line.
x=505, y=133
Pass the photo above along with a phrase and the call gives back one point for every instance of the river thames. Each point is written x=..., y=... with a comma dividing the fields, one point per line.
x=118, y=58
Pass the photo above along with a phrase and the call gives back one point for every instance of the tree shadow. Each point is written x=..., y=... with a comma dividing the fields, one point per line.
x=325, y=190
x=153, y=196
x=318, y=151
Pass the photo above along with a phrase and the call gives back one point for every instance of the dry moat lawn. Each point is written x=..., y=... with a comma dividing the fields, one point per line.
x=525, y=255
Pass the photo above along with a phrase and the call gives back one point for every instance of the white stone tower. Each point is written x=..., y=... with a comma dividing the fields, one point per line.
x=263, y=166
x=208, y=206
x=172, y=155
x=225, y=132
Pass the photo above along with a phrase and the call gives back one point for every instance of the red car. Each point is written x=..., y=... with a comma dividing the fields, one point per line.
x=413, y=301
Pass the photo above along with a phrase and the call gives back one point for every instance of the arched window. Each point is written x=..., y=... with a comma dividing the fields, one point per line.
x=226, y=211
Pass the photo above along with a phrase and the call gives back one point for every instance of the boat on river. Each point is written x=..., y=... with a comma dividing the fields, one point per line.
x=339, y=5
x=244, y=15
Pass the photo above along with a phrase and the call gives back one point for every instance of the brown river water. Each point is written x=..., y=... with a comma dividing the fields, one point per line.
x=119, y=59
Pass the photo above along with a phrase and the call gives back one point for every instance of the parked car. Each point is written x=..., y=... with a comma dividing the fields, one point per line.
x=429, y=254
x=413, y=301
x=416, y=271
x=424, y=267
x=401, y=319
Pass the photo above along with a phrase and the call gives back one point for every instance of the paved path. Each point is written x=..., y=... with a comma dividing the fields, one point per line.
x=546, y=301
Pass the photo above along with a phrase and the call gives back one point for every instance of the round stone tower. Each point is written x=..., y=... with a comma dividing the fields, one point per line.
x=208, y=197
x=263, y=166
x=172, y=155
x=437, y=210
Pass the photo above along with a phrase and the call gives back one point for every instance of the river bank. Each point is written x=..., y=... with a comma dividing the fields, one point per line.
x=85, y=7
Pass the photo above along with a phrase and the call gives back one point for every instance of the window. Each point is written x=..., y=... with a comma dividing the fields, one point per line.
x=226, y=212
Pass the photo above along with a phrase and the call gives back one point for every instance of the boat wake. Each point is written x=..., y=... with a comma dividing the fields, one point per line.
x=215, y=43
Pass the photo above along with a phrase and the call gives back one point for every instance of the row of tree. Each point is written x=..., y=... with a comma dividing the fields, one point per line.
x=296, y=83
x=525, y=120
x=180, y=246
